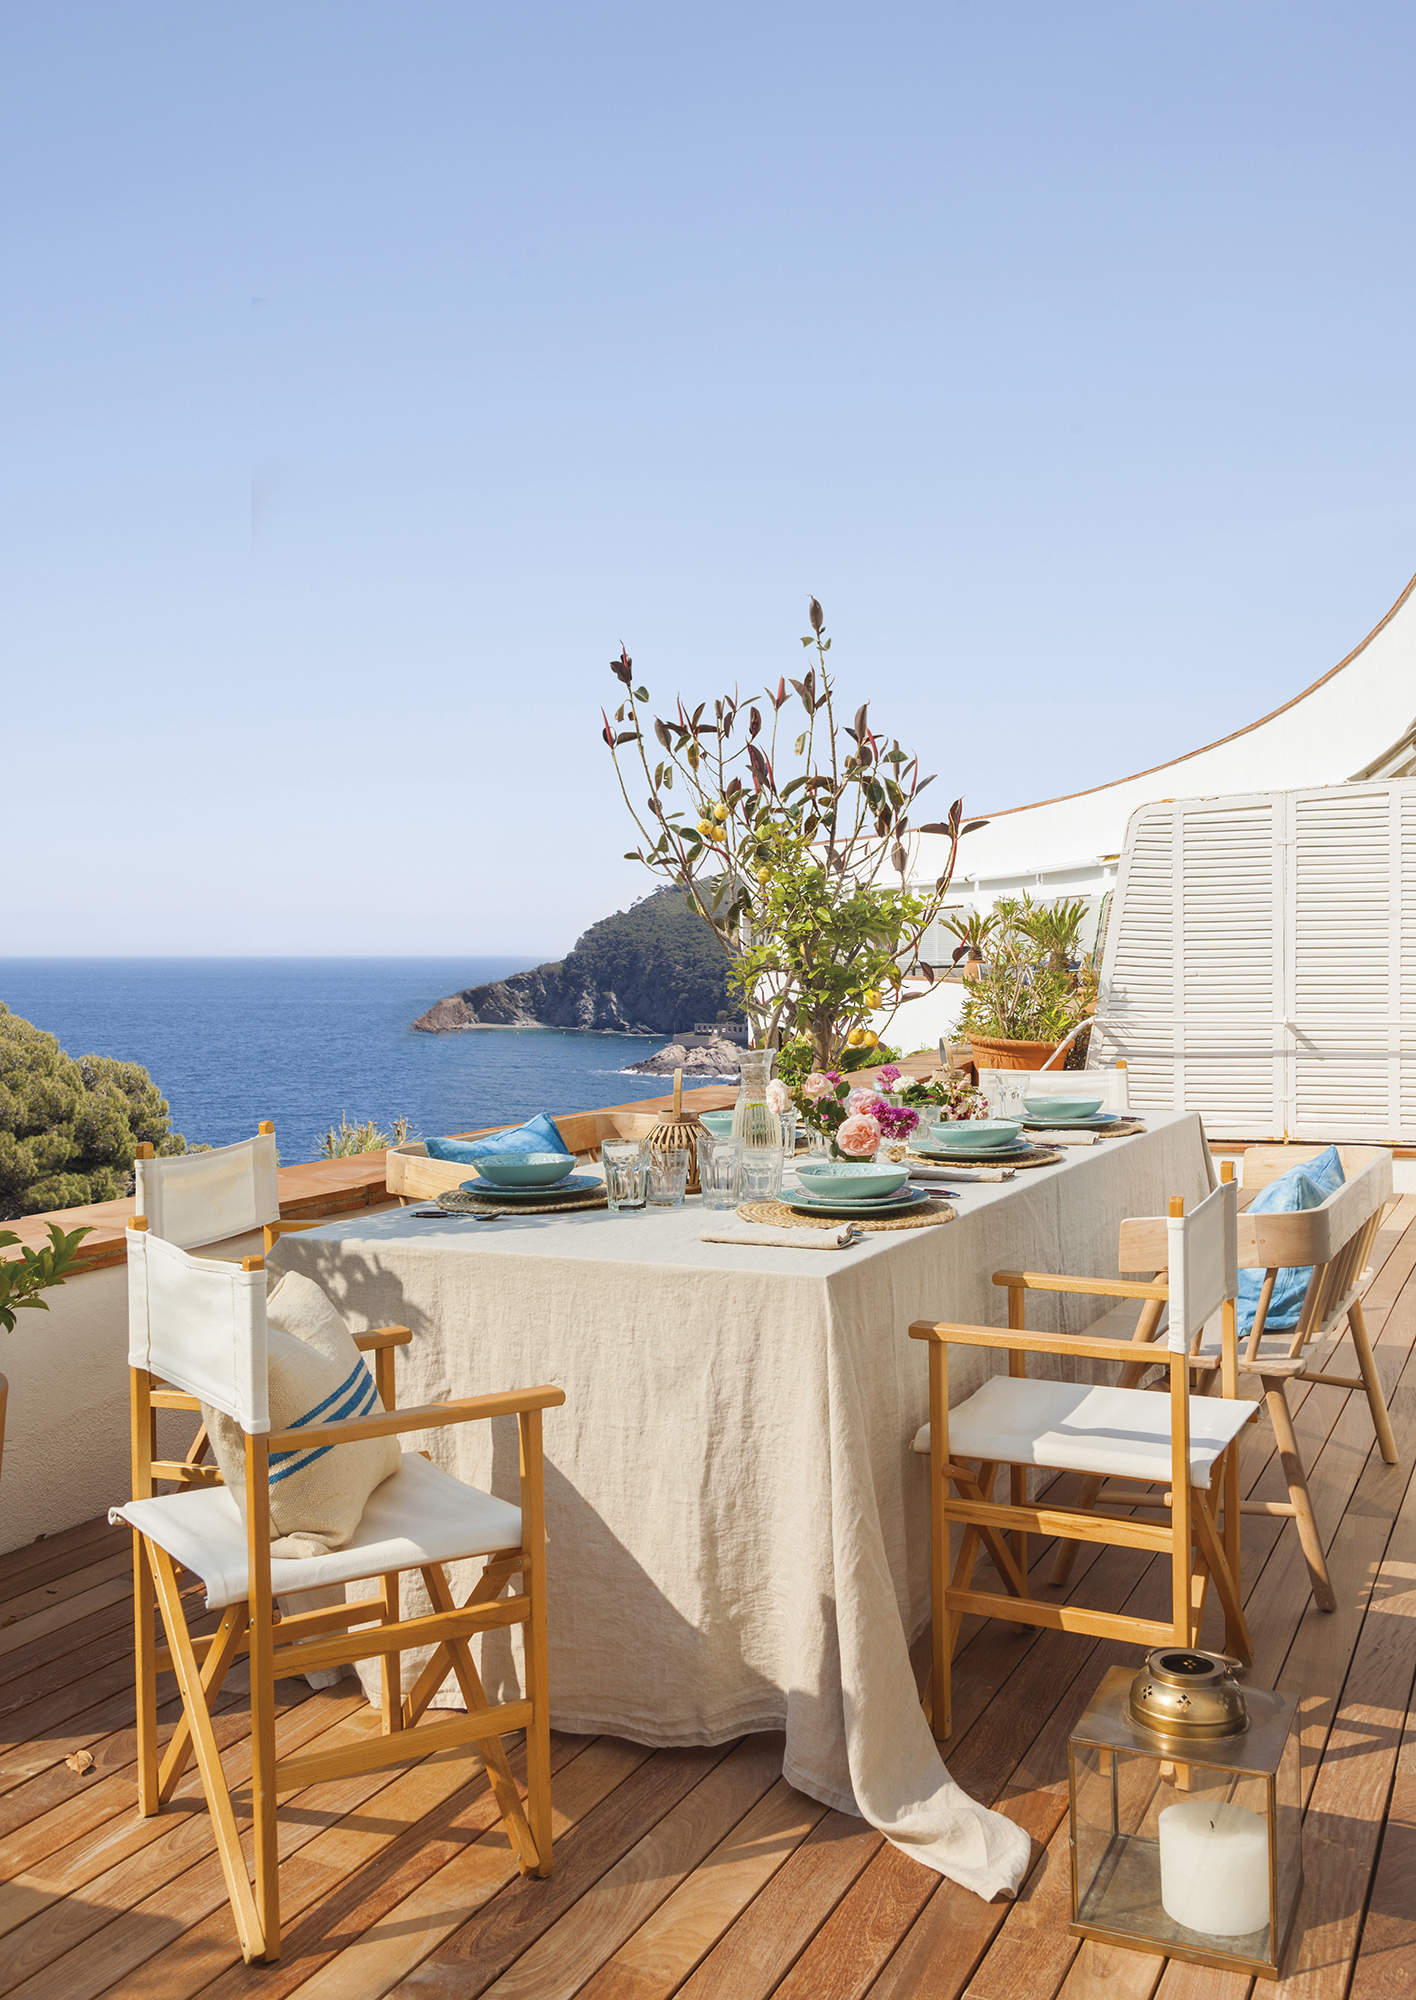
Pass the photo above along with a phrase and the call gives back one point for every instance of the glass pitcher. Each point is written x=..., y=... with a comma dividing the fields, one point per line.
x=753, y=1122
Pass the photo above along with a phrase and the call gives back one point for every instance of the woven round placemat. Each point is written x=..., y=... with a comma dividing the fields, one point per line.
x=1045, y=1156
x=779, y=1216
x=457, y=1201
x=1124, y=1128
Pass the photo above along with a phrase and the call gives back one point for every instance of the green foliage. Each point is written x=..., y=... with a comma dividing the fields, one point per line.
x=345, y=1141
x=1034, y=986
x=796, y=1059
x=790, y=833
x=69, y=1127
x=829, y=950
x=23, y=1278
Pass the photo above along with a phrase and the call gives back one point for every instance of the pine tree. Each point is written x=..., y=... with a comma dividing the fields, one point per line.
x=69, y=1127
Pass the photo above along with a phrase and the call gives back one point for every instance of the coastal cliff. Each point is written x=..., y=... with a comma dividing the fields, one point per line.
x=653, y=969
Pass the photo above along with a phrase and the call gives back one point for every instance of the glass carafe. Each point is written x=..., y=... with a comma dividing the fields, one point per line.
x=753, y=1122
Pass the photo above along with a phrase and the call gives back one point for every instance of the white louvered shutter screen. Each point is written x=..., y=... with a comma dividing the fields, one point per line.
x=1192, y=974
x=1260, y=966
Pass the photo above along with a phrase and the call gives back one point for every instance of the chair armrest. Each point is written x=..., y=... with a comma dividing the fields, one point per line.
x=382, y=1336
x=1104, y=1288
x=272, y=1231
x=424, y=1417
x=1014, y=1340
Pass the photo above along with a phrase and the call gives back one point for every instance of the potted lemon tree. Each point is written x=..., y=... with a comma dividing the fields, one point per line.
x=790, y=829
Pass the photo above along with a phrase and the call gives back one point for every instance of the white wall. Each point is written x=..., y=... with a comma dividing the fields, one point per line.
x=66, y=1435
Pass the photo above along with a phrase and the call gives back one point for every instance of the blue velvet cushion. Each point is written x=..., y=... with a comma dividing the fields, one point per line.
x=537, y=1135
x=1307, y=1185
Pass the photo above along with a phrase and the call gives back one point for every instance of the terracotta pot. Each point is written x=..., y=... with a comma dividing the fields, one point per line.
x=991, y=1054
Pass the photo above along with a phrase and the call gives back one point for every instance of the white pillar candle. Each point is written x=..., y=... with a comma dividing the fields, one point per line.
x=1214, y=1868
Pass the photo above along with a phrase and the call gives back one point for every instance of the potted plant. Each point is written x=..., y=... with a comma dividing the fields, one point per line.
x=1034, y=985
x=973, y=932
x=23, y=1278
x=790, y=831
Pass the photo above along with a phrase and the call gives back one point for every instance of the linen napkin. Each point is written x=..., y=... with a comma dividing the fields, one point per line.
x=766, y=1237
x=933, y=1170
x=1055, y=1138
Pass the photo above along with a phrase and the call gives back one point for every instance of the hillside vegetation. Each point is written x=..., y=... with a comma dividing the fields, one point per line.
x=655, y=968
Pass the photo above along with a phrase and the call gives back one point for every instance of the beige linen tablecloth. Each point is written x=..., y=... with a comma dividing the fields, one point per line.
x=739, y=1530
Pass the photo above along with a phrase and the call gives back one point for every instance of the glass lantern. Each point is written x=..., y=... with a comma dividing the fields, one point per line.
x=1186, y=1814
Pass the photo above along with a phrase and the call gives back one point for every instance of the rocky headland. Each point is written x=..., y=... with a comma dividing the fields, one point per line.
x=715, y=1059
x=654, y=969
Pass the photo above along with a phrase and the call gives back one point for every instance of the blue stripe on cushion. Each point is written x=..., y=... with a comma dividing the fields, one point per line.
x=356, y=1396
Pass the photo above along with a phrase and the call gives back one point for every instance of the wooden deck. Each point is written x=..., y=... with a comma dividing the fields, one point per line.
x=699, y=1872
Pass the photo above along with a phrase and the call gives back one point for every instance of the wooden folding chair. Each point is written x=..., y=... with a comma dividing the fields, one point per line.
x=1336, y=1240
x=1183, y=1443
x=199, y=1326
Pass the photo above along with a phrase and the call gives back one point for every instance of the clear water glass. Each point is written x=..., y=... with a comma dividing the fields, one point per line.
x=760, y=1176
x=626, y=1176
x=719, y=1163
x=668, y=1177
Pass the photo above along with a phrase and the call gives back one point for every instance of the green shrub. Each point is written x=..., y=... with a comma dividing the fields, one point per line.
x=345, y=1141
x=69, y=1127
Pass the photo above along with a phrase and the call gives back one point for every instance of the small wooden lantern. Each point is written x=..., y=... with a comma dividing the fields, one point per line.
x=1186, y=1814
x=678, y=1131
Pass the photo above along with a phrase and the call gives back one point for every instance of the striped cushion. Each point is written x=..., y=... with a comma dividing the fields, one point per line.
x=317, y=1375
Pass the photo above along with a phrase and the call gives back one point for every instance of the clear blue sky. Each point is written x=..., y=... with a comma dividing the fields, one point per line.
x=371, y=370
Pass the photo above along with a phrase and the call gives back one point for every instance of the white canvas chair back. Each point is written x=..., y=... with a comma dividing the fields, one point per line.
x=1005, y=1089
x=196, y=1198
x=1203, y=1263
x=199, y=1324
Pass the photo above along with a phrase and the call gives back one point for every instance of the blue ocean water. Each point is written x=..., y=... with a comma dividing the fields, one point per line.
x=230, y=1041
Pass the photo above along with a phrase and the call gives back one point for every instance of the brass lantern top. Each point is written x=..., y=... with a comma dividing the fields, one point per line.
x=1185, y=1695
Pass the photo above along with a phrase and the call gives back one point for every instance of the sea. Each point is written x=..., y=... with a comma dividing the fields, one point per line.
x=230, y=1041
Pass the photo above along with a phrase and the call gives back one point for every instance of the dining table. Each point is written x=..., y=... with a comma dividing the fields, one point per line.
x=738, y=1525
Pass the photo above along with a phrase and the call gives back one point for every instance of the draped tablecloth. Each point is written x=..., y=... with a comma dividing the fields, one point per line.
x=738, y=1527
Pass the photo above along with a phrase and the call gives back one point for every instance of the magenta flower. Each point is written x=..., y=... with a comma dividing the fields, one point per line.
x=887, y=1075
x=897, y=1121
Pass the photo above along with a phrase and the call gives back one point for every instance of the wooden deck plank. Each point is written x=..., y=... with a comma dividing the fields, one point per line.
x=658, y=1957
x=572, y=1951
x=1386, y=1968
x=467, y=1960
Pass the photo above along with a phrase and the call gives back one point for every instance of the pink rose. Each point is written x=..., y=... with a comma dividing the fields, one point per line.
x=816, y=1087
x=779, y=1098
x=859, y=1136
x=860, y=1100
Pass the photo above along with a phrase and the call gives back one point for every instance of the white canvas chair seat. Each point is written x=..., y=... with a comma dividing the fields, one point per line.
x=1079, y=1427
x=419, y=1516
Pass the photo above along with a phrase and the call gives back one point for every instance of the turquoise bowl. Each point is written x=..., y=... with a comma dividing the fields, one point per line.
x=1060, y=1110
x=526, y=1169
x=719, y=1123
x=977, y=1135
x=851, y=1180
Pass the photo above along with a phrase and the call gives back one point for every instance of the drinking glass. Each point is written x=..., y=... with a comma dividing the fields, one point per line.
x=668, y=1177
x=760, y=1177
x=719, y=1161
x=626, y=1175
